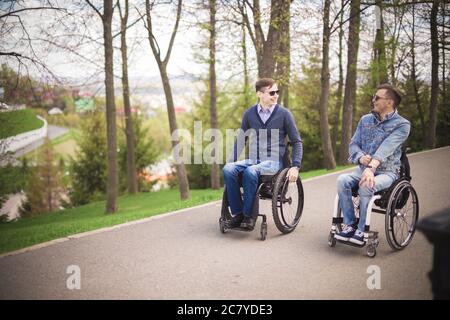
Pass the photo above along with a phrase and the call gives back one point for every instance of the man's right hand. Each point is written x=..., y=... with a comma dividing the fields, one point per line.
x=365, y=160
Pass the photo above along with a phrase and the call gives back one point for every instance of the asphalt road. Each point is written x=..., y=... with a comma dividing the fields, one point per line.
x=184, y=256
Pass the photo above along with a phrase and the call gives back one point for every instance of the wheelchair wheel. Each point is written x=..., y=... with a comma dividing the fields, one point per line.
x=401, y=215
x=287, y=202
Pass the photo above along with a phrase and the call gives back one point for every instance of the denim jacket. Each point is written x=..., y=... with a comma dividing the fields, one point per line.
x=380, y=139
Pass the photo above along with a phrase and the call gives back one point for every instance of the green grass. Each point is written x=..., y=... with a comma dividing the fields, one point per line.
x=18, y=121
x=72, y=134
x=34, y=230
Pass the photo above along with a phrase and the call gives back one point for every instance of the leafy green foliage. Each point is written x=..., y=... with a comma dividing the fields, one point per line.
x=89, y=168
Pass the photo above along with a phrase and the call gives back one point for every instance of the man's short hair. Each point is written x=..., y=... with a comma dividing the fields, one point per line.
x=392, y=93
x=264, y=82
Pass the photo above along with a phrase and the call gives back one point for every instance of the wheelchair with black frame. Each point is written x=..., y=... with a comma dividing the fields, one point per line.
x=399, y=204
x=287, y=201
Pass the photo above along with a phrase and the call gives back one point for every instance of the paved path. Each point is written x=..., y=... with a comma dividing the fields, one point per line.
x=184, y=256
x=52, y=133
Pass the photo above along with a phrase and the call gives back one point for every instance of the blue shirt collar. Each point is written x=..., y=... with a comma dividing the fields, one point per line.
x=260, y=109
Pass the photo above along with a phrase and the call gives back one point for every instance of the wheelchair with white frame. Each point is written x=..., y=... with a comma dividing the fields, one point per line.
x=399, y=204
x=287, y=200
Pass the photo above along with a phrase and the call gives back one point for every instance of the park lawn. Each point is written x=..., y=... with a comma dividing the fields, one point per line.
x=33, y=230
x=18, y=121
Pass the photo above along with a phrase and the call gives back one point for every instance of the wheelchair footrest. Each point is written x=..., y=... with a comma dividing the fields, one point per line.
x=241, y=229
x=351, y=243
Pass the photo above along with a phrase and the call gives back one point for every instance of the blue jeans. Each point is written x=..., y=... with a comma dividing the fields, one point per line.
x=347, y=181
x=251, y=171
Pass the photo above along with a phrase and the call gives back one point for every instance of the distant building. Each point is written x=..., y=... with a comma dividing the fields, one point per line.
x=180, y=109
x=55, y=111
x=121, y=111
x=84, y=104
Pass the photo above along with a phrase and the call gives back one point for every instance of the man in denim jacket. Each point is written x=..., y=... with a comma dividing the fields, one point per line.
x=376, y=148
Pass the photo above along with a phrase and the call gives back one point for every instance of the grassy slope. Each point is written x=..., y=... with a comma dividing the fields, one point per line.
x=16, y=122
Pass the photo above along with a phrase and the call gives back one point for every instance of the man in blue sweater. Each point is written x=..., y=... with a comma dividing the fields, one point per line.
x=265, y=127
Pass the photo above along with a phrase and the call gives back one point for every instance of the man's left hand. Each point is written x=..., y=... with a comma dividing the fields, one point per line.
x=367, y=178
x=293, y=174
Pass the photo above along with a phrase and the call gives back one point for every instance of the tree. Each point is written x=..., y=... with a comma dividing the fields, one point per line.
x=162, y=65
x=413, y=73
x=431, y=134
x=89, y=167
x=17, y=45
x=350, y=80
x=113, y=179
x=283, y=57
x=266, y=47
x=44, y=188
x=379, y=49
x=330, y=163
x=338, y=105
x=215, y=178
x=131, y=165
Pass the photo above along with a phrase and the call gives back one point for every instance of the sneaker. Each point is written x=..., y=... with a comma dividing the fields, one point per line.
x=358, y=238
x=346, y=234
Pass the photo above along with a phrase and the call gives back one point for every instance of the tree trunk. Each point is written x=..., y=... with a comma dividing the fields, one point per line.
x=131, y=162
x=112, y=181
x=338, y=105
x=283, y=58
x=247, y=98
x=350, y=80
x=265, y=48
x=414, y=76
x=330, y=163
x=215, y=178
x=181, y=169
x=380, y=50
x=431, y=136
x=271, y=45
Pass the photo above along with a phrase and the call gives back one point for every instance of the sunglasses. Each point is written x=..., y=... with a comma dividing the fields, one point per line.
x=272, y=93
x=376, y=98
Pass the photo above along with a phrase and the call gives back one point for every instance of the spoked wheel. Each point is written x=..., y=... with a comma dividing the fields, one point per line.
x=401, y=215
x=287, y=202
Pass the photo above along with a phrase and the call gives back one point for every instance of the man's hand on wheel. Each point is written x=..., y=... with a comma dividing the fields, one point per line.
x=293, y=174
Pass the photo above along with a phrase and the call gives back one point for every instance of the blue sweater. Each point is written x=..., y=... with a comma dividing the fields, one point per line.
x=280, y=123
